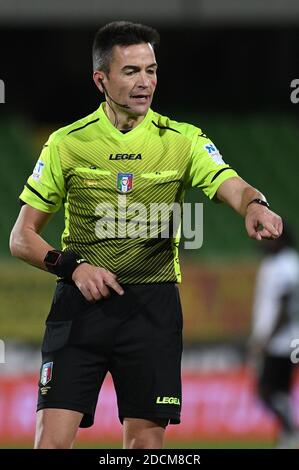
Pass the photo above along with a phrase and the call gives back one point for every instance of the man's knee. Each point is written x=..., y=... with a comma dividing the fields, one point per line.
x=149, y=441
x=46, y=441
x=56, y=428
x=144, y=434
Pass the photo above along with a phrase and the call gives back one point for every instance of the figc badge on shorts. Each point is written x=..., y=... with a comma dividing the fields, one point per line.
x=46, y=374
x=124, y=182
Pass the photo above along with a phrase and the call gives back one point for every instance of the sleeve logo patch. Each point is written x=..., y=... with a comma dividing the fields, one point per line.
x=38, y=169
x=214, y=154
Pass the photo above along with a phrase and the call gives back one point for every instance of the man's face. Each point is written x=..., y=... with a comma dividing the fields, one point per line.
x=132, y=78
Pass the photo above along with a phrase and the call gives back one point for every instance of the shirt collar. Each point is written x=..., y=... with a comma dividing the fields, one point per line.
x=105, y=121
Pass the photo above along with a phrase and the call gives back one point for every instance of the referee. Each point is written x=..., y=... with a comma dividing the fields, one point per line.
x=116, y=307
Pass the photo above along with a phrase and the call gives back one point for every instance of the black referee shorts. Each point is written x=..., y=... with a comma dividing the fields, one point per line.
x=137, y=337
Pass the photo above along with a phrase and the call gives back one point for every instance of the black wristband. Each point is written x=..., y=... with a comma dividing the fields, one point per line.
x=259, y=201
x=63, y=263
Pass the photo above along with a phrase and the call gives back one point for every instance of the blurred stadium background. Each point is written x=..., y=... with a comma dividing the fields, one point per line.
x=223, y=65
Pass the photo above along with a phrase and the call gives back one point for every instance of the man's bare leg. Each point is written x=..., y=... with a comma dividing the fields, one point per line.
x=56, y=428
x=143, y=434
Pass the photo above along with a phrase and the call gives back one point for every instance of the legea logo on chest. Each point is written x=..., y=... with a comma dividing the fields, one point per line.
x=125, y=156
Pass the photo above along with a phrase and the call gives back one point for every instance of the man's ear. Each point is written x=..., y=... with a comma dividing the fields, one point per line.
x=98, y=78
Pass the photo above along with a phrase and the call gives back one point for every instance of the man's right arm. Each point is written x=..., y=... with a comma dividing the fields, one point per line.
x=25, y=240
x=27, y=244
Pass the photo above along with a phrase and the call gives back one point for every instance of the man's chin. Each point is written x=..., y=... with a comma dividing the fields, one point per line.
x=139, y=110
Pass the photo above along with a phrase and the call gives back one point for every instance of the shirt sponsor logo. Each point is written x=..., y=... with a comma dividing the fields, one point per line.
x=38, y=169
x=214, y=154
x=124, y=182
x=167, y=401
x=125, y=156
x=46, y=373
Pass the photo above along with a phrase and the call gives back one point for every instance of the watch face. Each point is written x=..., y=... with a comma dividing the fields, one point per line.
x=52, y=257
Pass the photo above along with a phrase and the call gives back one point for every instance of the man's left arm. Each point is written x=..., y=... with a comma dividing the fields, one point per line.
x=260, y=221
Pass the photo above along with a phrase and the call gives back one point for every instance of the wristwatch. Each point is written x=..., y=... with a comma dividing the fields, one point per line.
x=52, y=258
x=259, y=201
x=63, y=263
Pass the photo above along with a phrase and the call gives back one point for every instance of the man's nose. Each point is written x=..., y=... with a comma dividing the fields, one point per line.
x=143, y=80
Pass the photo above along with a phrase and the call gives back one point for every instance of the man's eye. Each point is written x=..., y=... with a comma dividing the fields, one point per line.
x=131, y=72
x=151, y=71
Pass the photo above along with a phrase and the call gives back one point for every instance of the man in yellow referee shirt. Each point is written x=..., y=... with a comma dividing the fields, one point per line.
x=116, y=307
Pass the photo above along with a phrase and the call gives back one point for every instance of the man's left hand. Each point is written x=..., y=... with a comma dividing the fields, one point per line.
x=262, y=223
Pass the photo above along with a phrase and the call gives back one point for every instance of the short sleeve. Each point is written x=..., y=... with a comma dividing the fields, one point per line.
x=45, y=188
x=207, y=170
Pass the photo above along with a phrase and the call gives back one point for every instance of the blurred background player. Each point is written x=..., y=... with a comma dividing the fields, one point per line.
x=275, y=325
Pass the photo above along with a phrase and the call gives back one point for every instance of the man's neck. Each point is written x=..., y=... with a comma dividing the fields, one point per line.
x=120, y=119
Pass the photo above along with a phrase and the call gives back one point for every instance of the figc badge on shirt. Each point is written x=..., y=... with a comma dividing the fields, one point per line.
x=124, y=182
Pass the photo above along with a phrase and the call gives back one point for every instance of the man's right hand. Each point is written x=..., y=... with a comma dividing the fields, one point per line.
x=93, y=282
